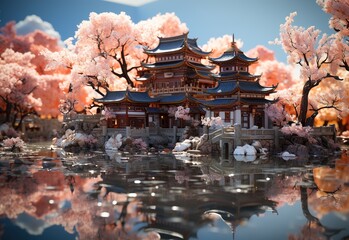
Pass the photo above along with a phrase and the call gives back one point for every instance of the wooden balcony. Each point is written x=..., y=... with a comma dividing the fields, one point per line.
x=191, y=89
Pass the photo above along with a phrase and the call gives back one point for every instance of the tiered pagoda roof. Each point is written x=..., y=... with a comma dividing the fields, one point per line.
x=233, y=86
x=176, y=44
x=235, y=75
x=177, y=53
x=233, y=53
x=176, y=64
x=143, y=97
x=126, y=96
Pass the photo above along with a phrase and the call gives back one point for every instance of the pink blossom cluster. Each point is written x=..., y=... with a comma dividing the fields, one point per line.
x=182, y=113
x=339, y=11
x=277, y=114
x=14, y=143
x=108, y=114
x=212, y=121
x=299, y=130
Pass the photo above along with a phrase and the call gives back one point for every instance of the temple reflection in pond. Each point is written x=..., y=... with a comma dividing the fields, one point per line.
x=91, y=196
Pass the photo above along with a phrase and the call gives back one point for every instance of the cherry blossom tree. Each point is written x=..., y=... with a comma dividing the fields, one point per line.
x=313, y=53
x=340, y=14
x=339, y=11
x=162, y=25
x=278, y=114
x=107, y=50
x=49, y=90
x=17, y=84
x=221, y=44
x=272, y=71
x=211, y=122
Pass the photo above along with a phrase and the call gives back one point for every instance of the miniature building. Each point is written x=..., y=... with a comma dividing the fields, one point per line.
x=176, y=76
x=238, y=97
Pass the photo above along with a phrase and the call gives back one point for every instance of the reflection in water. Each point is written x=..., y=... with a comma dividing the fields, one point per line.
x=116, y=196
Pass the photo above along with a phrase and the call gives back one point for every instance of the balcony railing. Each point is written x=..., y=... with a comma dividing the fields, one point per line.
x=174, y=90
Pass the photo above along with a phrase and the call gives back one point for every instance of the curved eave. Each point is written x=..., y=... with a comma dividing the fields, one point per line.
x=203, y=74
x=144, y=77
x=219, y=102
x=235, y=75
x=168, y=45
x=255, y=87
x=140, y=97
x=199, y=52
x=192, y=46
x=200, y=66
x=257, y=101
x=243, y=57
x=223, y=87
x=172, y=99
x=163, y=65
x=161, y=52
x=227, y=57
x=223, y=58
x=112, y=97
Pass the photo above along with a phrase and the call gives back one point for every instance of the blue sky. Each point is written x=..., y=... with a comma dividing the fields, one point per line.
x=255, y=22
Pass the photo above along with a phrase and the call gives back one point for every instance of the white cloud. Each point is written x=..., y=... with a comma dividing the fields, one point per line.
x=133, y=3
x=32, y=23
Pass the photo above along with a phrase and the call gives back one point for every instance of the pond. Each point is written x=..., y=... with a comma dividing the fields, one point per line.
x=51, y=194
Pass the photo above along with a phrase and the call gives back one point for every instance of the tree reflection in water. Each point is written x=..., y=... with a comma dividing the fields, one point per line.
x=96, y=196
x=326, y=190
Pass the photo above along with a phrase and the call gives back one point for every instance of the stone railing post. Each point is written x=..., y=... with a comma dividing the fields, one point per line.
x=174, y=134
x=147, y=131
x=128, y=132
x=238, y=134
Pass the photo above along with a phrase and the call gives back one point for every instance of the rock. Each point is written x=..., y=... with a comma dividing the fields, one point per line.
x=182, y=146
x=299, y=150
x=206, y=148
x=257, y=144
x=288, y=156
x=250, y=150
x=317, y=150
x=247, y=150
x=239, y=151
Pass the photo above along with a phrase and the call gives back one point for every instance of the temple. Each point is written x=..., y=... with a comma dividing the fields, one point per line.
x=179, y=73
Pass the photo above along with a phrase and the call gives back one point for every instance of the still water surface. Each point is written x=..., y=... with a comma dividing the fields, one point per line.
x=51, y=194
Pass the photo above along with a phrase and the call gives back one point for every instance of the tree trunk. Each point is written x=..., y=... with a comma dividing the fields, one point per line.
x=310, y=120
x=305, y=208
x=304, y=103
x=8, y=111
